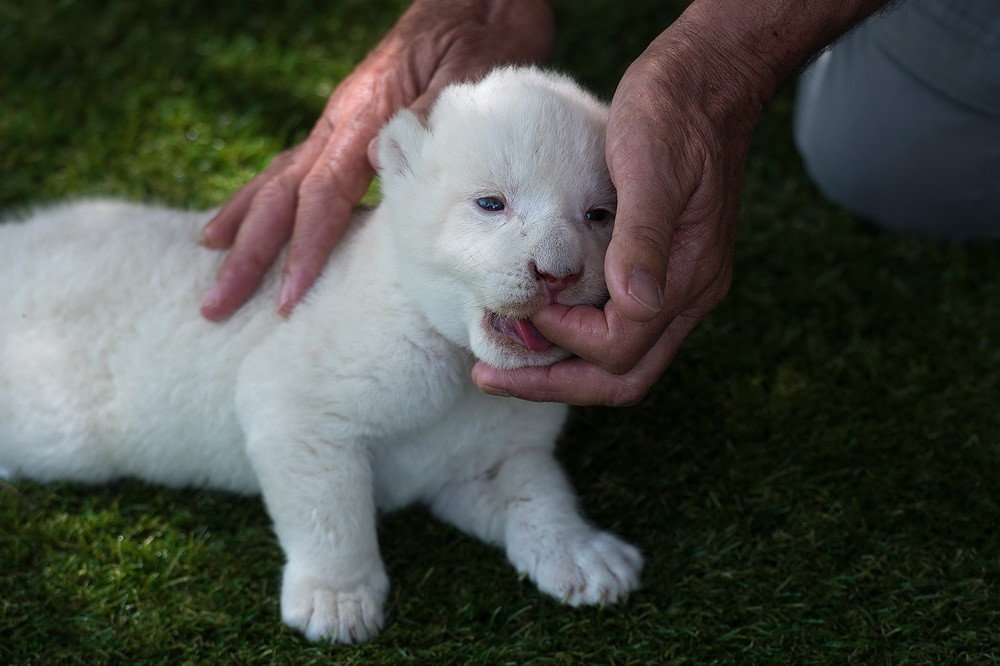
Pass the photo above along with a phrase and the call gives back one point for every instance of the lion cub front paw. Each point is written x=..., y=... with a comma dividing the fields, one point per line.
x=580, y=568
x=322, y=610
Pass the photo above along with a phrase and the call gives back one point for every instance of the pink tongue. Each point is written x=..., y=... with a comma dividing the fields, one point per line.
x=523, y=332
x=530, y=336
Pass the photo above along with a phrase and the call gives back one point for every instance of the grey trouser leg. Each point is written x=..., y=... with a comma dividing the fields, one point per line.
x=894, y=148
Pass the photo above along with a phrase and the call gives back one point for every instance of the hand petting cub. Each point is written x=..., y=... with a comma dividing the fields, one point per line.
x=496, y=206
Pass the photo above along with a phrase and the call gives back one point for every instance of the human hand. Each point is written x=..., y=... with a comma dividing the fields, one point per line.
x=307, y=193
x=677, y=159
x=678, y=135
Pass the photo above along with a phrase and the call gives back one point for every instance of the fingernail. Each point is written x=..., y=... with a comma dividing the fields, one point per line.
x=493, y=390
x=211, y=299
x=286, y=297
x=645, y=291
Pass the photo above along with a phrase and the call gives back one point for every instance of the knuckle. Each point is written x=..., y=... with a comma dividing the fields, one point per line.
x=718, y=289
x=287, y=181
x=319, y=177
x=721, y=290
x=311, y=187
x=322, y=182
x=618, y=362
x=627, y=345
x=274, y=193
x=251, y=264
x=628, y=395
x=323, y=194
x=652, y=239
x=285, y=158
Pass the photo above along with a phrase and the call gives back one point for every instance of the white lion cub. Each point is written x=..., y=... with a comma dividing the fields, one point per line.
x=361, y=400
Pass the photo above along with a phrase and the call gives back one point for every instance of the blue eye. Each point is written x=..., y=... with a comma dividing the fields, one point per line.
x=597, y=215
x=491, y=204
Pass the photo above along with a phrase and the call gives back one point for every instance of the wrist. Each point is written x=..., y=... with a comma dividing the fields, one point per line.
x=745, y=49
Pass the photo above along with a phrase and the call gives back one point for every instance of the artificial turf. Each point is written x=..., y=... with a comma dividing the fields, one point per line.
x=812, y=481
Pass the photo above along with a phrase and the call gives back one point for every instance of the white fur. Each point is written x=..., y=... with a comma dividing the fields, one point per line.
x=362, y=398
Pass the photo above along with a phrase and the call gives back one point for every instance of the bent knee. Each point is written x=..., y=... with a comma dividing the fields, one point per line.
x=895, y=150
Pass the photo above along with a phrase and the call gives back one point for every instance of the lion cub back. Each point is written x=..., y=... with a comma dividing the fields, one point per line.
x=103, y=354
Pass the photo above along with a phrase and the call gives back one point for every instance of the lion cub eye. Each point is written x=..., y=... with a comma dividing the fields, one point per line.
x=597, y=215
x=491, y=204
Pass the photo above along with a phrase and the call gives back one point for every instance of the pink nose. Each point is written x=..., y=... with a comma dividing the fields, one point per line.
x=554, y=282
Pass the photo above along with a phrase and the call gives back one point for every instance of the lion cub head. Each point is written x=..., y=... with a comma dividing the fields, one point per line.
x=501, y=204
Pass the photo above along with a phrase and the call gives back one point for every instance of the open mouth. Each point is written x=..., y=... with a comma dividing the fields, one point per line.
x=519, y=331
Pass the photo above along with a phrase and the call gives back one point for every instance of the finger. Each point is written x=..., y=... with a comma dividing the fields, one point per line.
x=579, y=382
x=638, y=255
x=606, y=338
x=555, y=383
x=651, y=197
x=261, y=221
x=262, y=234
x=327, y=197
x=322, y=218
x=221, y=230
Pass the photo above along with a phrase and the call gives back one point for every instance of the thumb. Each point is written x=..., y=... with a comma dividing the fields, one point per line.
x=637, y=258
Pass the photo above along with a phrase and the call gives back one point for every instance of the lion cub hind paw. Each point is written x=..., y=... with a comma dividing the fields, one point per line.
x=323, y=612
x=582, y=570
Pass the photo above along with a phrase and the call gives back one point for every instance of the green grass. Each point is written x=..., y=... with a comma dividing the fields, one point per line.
x=812, y=482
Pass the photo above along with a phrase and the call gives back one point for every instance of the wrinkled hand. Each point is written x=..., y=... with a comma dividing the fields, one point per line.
x=677, y=142
x=676, y=155
x=308, y=192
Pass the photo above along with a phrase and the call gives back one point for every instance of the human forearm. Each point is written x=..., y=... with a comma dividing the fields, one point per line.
x=780, y=34
x=762, y=42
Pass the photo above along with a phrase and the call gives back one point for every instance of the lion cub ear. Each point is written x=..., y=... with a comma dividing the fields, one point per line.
x=398, y=144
